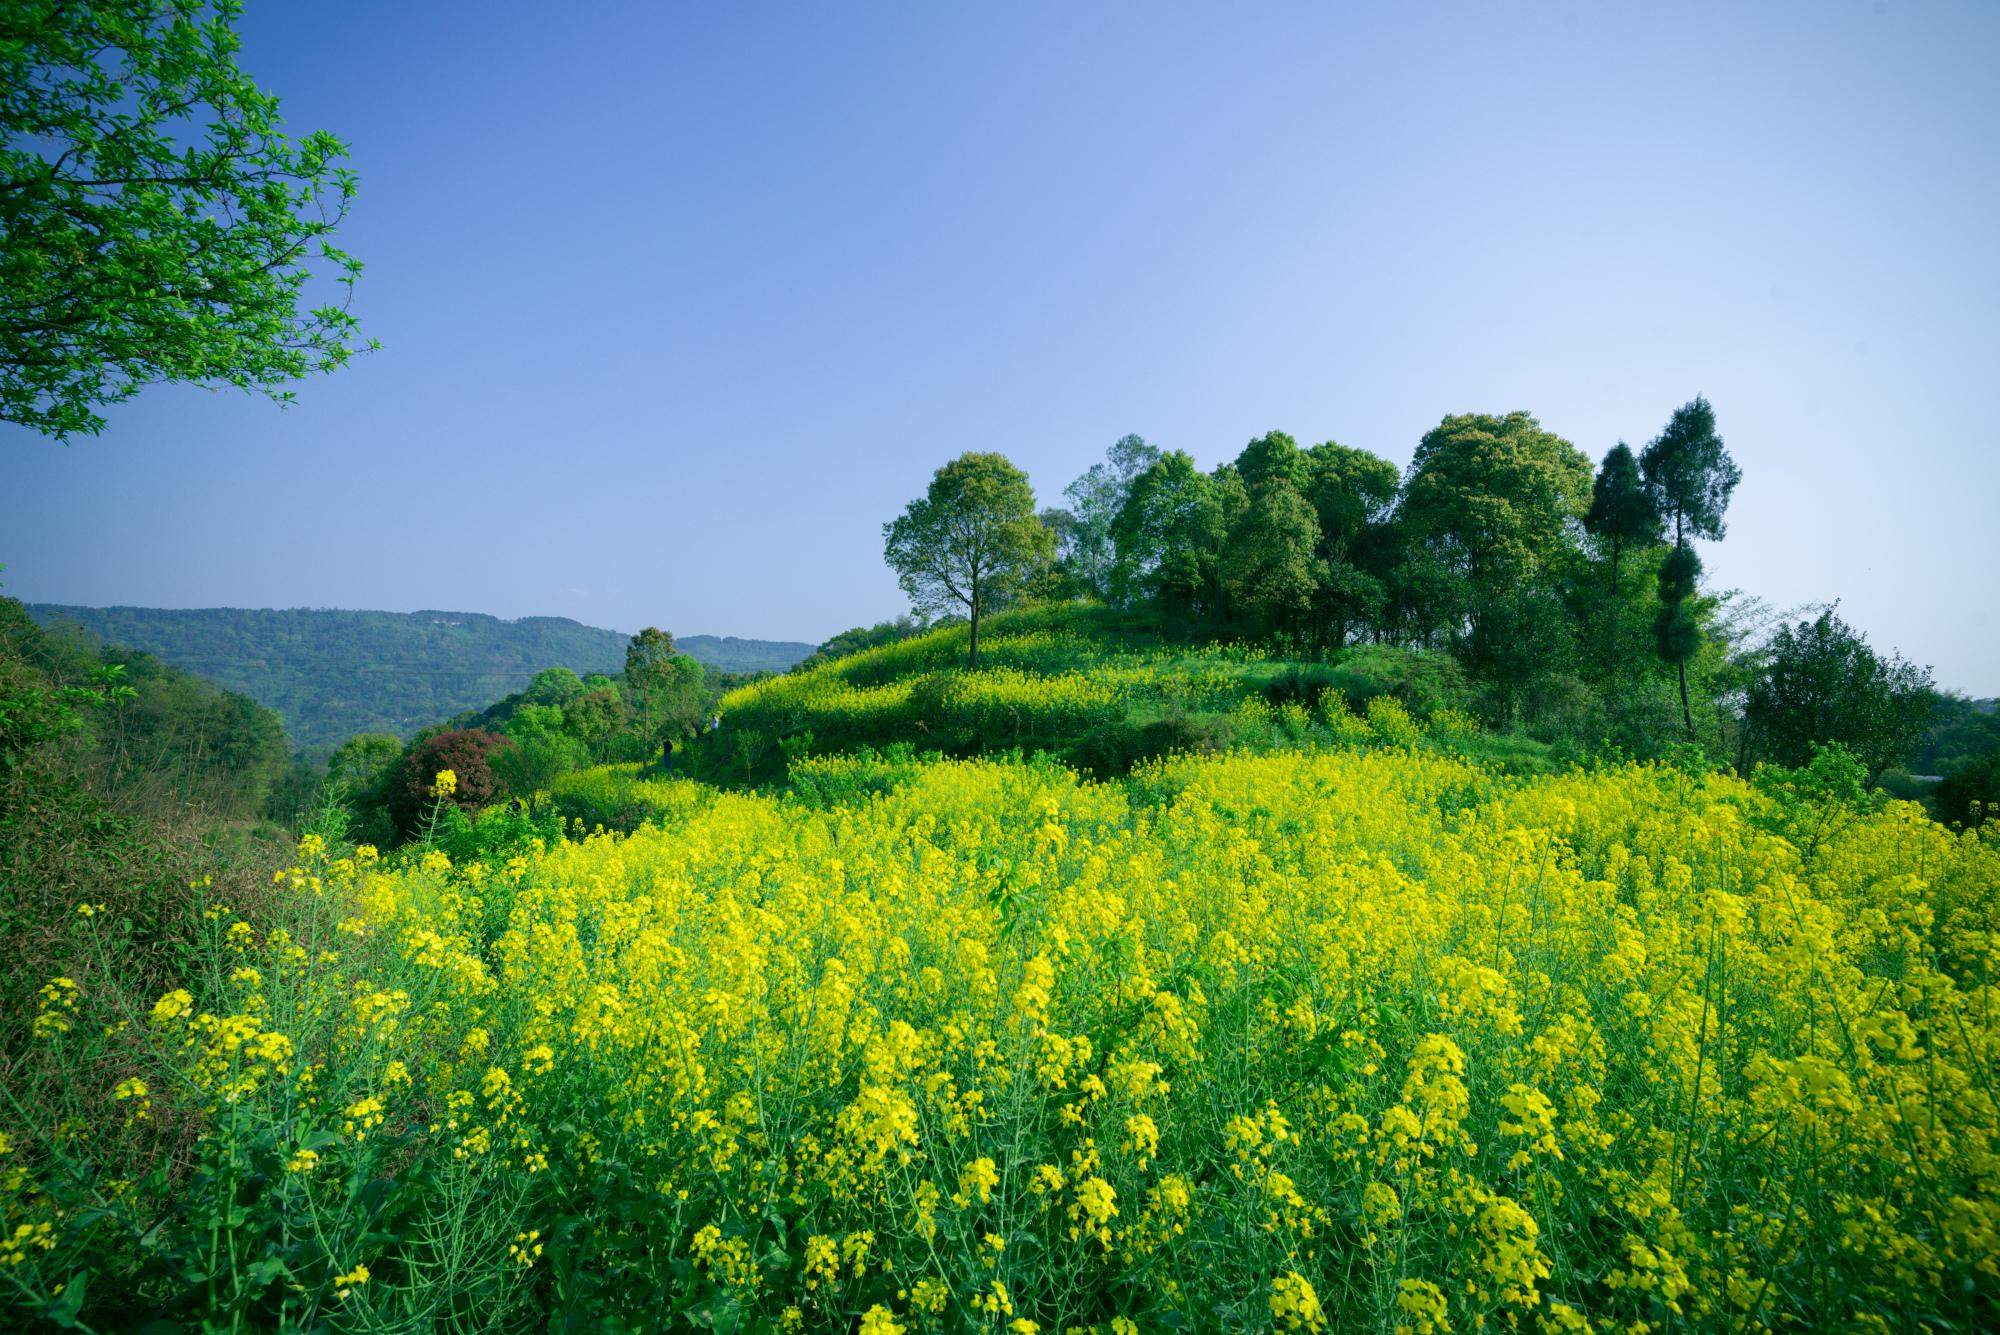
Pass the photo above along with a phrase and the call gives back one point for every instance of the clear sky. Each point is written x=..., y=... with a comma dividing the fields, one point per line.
x=680, y=302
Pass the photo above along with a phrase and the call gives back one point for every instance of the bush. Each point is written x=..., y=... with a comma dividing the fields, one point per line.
x=1970, y=792
x=533, y=763
x=1423, y=682
x=467, y=753
x=622, y=797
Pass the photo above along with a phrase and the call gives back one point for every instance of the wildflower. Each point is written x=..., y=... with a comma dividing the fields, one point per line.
x=1142, y=1138
x=445, y=784
x=1295, y=1304
x=879, y=1320
x=1423, y=1302
x=526, y=1248
x=134, y=1090
x=977, y=1178
x=344, y=1285
x=58, y=1001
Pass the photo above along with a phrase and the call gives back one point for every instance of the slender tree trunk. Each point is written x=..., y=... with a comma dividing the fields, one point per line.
x=972, y=656
x=1687, y=715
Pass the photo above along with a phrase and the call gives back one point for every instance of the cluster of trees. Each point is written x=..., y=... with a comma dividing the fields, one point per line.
x=560, y=722
x=1571, y=593
x=168, y=740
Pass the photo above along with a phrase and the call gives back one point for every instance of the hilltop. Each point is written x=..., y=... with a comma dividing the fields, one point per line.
x=330, y=673
x=1094, y=689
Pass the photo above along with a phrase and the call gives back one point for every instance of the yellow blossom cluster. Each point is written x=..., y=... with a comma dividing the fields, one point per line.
x=1435, y=1049
x=1350, y=1040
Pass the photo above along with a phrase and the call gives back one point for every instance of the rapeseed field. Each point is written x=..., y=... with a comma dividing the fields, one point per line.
x=1356, y=1039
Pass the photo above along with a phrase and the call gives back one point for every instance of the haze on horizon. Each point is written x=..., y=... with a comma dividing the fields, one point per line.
x=678, y=306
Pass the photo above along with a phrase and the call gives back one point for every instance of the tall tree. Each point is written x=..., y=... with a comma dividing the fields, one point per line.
x=1167, y=536
x=1622, y=516
x=1094, y=502
x=1691, y=477
x=156, y=223
x=1272, y=456
x=971, y=541
x=1351, y=492
x=1494, y=503
x=1269, y=567
x=1822, y=683
x=665, y=684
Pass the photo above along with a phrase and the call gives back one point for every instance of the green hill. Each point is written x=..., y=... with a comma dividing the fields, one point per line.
x=1099, y=690
x=332, y=673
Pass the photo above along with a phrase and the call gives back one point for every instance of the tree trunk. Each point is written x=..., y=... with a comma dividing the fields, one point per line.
x=972, y=657
x=1687, y=715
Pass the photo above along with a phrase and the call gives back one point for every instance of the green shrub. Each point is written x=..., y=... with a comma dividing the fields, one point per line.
x=1423, y=682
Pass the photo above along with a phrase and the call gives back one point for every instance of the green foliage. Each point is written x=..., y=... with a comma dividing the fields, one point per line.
x=1493, y=503
x=1094, y=686
x=535, y=761
x=1269, y=569
x=1689, y=473
x=623, y=797
x=1087, y=546
x=827, y=781
x=364, y=760
x=493, y=834
x=668, y=690
x=1969, y=793
x=860, y=638
x=1822, y=684
x=1424, y=683
x=553, y=686
x=1961, y=730
x=156, y=222
x=1623, y=513
x=171, y=740
x=1813, y=801
x=468, y=753
x=1494, y=499
x=971, y=542
x=1690, y=477
x=1167, y=538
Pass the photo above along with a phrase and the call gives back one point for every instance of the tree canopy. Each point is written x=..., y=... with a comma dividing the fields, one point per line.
x=1690, y=474
x=1085, y=528
x=1690, y=477
x=156, y=222
x=1823, y=684
x=970, y=542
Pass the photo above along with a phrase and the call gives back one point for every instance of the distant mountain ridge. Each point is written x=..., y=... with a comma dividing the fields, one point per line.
x=332, y=672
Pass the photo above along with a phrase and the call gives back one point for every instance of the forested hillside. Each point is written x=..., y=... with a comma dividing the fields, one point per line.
x=331, y=673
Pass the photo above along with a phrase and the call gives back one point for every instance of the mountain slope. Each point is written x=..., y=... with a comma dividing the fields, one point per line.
x=333, y=673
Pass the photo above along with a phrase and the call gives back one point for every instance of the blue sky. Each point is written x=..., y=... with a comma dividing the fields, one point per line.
x=679, y=303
